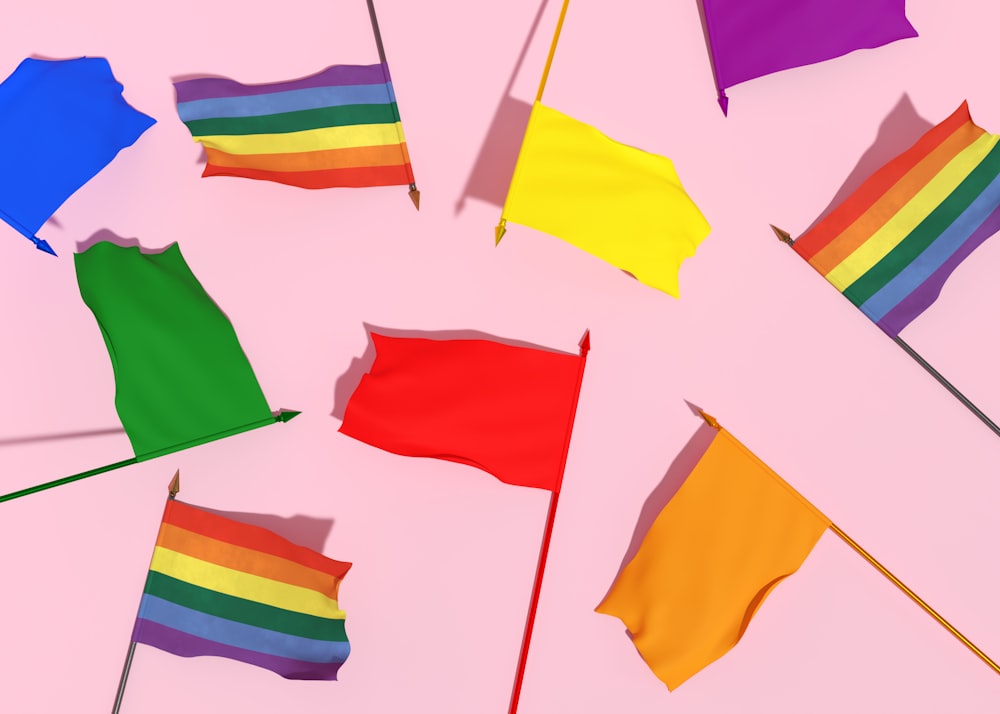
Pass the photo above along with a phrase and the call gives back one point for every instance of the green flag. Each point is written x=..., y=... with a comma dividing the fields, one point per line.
x=181, y=376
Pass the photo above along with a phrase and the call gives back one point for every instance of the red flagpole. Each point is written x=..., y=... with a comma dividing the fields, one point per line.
x=529, y=625
x=543, y=554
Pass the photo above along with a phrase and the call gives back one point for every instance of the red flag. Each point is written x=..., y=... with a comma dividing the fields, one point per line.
x=504, y=409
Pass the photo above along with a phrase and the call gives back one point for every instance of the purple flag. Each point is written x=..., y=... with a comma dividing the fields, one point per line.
x=751, y=38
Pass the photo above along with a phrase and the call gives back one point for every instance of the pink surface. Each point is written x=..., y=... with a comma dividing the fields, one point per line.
x=444, y=554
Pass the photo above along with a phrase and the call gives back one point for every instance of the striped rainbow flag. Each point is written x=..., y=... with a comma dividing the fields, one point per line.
x=340, y=127
x=890, y=246
x=220, y=587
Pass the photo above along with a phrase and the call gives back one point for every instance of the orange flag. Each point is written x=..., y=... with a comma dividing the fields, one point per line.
x=732, y=532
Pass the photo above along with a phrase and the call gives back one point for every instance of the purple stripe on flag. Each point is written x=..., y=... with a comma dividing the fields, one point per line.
x=185, y=645
x=336, y=76
x=921, y=298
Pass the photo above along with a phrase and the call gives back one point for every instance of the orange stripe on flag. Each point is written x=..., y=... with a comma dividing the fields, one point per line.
x=208, y=524
x=883, y=180
x=245, y=560
x=890, y=203
x=355, y=157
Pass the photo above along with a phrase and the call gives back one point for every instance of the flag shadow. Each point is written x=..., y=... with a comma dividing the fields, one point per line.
x=105, y=234
x=676, y=474
x=19, y=440
x=900, y=129
x=494, y=165
x=302, y=530
x=109, y=236
x=349, y=380
x=202, y=158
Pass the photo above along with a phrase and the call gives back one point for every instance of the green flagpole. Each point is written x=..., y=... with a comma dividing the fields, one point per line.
x=281, y=416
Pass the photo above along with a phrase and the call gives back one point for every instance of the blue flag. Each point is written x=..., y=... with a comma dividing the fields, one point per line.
x=61, y=122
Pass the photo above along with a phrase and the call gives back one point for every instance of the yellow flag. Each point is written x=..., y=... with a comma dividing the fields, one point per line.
x=732, y=532
x=619, y=203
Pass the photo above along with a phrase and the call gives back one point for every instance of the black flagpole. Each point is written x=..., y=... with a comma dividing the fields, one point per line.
x=174, y=487
x=414, y=193
x=948, y=385
x=786, y=238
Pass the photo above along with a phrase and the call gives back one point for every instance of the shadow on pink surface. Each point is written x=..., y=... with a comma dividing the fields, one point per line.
x=494, y=165
x=105, y=234
x=19, y=440
x=900, y=129
x=299, y=529
x=674, y=478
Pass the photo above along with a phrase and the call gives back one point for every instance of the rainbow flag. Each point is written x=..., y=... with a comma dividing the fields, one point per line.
x=220, y=587
x=891, y=245
x=339, y=127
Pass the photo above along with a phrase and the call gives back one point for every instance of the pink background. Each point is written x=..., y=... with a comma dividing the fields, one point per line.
x=444, y=554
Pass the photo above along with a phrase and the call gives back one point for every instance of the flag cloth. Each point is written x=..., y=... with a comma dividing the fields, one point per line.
x=751, y=38
x=181, y=377
x=220, y=587
x=504, y=409
x=64, y=121
x=731, y=532
x=618, y=203
x=339, y=127
x=890, y=246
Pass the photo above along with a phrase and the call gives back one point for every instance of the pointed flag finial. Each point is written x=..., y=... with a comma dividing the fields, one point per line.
x=500, y=229
x=284, y=415
x=783, y=236
x=585, y=343
x=415, y=196
x=175, y=484
x=44, y=246
x=724, y=103
x=710, y=420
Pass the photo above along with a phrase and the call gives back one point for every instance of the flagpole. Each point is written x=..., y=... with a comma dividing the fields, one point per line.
x=721, y=92
x=916, y=598
x=552, y=51
x=502, y=226
x=68, y=479
x=543, y=555
x=414, y=193
x=947, y=385
x=529, y=625
x=786, y=238
x=711, y=421
x=174, y=489
x=124, y=678
x=281, y=416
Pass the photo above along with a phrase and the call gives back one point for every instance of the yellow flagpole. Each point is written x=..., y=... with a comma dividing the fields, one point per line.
x=502, y=226
x=892, y=578
x=916, y=598
x=552, y=51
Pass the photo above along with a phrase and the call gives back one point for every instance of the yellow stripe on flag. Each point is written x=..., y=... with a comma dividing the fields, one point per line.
x=333, y=137
x=243, y=585
x=896, y=228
